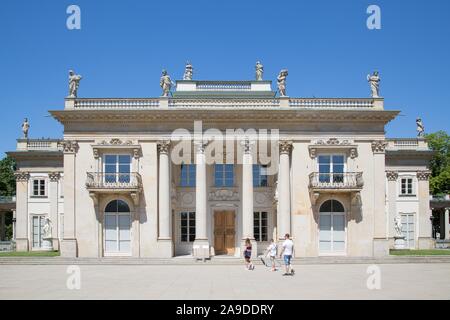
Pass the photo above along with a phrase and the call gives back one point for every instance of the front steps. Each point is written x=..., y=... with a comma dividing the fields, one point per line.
x=216, y=260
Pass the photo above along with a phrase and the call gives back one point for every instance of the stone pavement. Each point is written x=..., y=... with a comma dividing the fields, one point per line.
x=327, y=281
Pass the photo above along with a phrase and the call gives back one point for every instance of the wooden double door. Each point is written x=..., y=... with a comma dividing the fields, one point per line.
x=224, y=232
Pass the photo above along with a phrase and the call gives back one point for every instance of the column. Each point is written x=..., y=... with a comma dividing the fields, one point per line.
x=284, y=190
x=165, y=216
x=2, y=226
x=380, y=236
x=247, y=196
x=68, y=244
x=53, y=215
x=201, y=243
x=392, y=177
x=447, y=224
x=22, y=220
x=425, y=225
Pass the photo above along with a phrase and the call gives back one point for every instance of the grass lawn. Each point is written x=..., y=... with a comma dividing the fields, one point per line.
x=30, y=254
x=432, y=252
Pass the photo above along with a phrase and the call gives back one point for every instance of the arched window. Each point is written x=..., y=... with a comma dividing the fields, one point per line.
x=332, y=229
x=117, y=225
x=332, y=206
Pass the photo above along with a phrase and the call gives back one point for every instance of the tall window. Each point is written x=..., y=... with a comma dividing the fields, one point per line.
x=39, y=188
x=259, y=175
x=117, y=168
x=37, y=229
x=260, y=226
x=117, y=227
x=187, y=226
x=406, y=187
x=187, y=175
x=224, y=175
x=331, y=168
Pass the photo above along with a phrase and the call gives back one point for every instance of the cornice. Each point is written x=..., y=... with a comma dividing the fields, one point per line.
x=221, y=115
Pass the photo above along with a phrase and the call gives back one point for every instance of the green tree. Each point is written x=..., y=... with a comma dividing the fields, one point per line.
x=7, y=180
x=440, y=163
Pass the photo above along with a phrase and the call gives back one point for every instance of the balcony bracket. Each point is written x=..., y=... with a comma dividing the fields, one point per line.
x=356, y=198
x=314, y=197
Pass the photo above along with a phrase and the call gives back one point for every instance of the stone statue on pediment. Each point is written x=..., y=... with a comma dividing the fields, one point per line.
x=259, y=71
x=374, y=81
x=281, y=80
x=74, y=83
x=165, y=83
x=420, y=128
x=188, y=71
x=25, y=128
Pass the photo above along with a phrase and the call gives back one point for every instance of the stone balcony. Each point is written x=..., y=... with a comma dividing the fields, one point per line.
x=351, y=182
x=103, y=183
x=348, y=181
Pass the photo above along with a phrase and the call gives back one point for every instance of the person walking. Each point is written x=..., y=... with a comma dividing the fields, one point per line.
x=287, y=251
x=271, y=251
x=248, y=255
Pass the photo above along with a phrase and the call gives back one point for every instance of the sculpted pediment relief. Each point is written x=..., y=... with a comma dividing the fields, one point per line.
x=116, y=143
x=333, y=143
x=224, y=195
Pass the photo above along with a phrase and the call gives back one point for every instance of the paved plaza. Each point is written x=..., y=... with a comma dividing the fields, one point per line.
x=184, y=282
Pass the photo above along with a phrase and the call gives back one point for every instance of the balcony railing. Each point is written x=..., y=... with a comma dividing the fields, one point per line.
x=113, y=181
x=336, y=181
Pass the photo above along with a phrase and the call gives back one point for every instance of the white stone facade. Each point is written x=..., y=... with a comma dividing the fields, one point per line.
x=336, y=187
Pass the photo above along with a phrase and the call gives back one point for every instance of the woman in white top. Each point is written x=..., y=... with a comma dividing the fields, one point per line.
x=271, y=251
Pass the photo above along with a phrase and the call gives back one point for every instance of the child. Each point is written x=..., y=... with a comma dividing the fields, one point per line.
x=271, y=251
x=248, y=255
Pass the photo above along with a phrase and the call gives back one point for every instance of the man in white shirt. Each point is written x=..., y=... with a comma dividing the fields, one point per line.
x=288, y=251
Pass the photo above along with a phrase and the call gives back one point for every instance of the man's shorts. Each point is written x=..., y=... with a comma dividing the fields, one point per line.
x=287, y=259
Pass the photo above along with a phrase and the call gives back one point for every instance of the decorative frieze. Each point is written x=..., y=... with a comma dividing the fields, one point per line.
x=224, y=195
x=333, y=143
x=21, y=176
x=423, y=175
x=379, y=146
x=117, y=142
x=392, y=175
x=69, y=146
x=54, y=176
x=163, y=146
x=285, y=146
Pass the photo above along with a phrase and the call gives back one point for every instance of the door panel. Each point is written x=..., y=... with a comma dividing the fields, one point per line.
x=224, y=232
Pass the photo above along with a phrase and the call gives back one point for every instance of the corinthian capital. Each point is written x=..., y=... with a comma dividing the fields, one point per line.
x=54, y=176
x=391, y=175
x=69, y=146
x=285, y=146
x=423, y=175
x=163, y=146
x=21, y=176
x=379, y=146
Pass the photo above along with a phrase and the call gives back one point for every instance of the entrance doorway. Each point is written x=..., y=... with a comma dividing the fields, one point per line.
x=224, y=232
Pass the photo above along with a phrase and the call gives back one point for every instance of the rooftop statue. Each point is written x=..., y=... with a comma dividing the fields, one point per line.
x=188, y=71
x=74, y=83
x=165, y=83
x=374, y=81
x=25, y=128
x=259, y=71
x=281, y=79
x=420, y=128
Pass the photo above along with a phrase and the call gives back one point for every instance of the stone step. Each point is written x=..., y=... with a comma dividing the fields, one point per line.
x=215, y=260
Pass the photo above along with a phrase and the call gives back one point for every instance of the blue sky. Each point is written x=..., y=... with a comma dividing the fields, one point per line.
x=123, y=45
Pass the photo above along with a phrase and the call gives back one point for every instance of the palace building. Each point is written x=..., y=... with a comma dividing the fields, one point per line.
x=149, y=177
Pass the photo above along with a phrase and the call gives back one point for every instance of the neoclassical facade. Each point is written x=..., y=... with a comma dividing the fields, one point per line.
x=148, y=177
